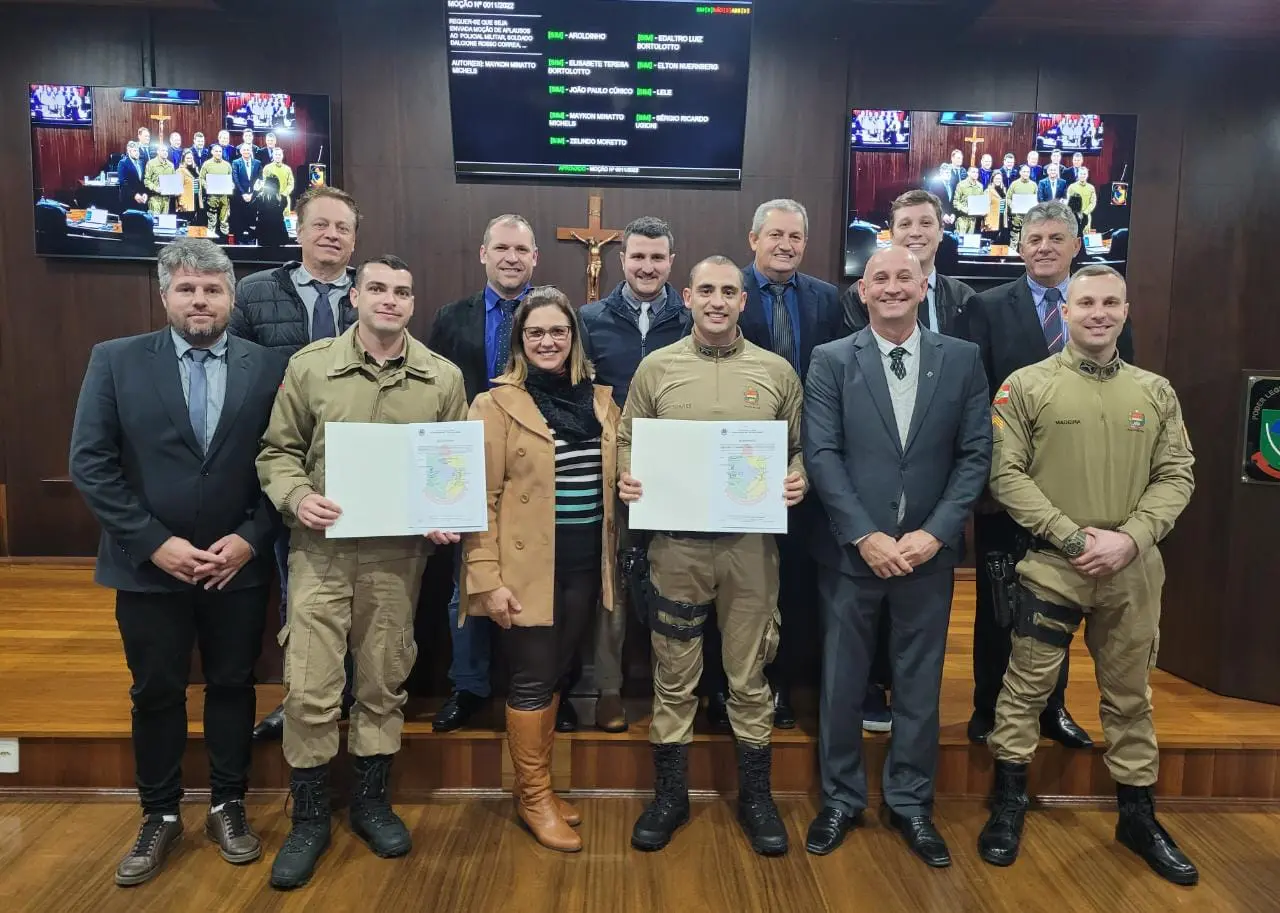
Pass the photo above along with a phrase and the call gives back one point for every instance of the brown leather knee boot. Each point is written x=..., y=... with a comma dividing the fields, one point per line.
x=529, y=735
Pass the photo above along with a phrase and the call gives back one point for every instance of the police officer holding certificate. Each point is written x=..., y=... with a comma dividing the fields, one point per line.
x=713, y=375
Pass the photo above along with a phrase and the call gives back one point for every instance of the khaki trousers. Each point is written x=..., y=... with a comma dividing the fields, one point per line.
x=364, y=604
x=1122, y=632
x=739, y=574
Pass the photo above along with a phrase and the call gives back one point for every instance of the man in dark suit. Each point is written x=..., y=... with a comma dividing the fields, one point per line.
x=1015, y=325
x=787, y=313
x=475, y=334
x=1052, y=187
x=915, y=219
x=1009, y=170
x=897, y=441
x=246, y=173
x=131, y=174
x=199, y=151
x=163, y=449
x=1072, y=174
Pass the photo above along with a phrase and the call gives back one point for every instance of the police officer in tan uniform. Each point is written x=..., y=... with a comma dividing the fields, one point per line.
x=713, y=375
x=356, y=594
x=1092, y=458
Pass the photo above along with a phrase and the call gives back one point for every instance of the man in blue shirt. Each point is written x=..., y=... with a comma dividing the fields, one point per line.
x=788, y=313
x=475, y=334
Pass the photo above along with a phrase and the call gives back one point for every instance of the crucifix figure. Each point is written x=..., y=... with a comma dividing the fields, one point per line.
x=595, y=238
x=160, y=118
x=973, y=142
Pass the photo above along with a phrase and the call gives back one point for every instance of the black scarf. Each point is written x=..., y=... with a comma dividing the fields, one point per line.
x=570, y=409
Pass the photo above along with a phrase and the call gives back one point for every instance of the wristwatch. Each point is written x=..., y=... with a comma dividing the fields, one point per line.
x=1073, y=545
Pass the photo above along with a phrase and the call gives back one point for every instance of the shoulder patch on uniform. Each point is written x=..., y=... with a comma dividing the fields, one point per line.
x=997, y=422
x=1002, y=396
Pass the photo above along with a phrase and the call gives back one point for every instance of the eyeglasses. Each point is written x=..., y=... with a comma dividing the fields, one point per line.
x=535, y=334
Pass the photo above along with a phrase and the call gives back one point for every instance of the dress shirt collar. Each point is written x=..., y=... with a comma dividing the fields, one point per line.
x=302, y=277
x=181, y=346
x=912, y=344
x=1038, y=290
x=491, y=296
x=764, y=281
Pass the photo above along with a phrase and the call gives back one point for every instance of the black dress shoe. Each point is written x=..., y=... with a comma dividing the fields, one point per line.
x=1056, y=724
x=828, y=829
x=566, y=715
x=718, y=711
x=923, y=839
x=457, y=711
x=980, y=726
x=271, y=729
x=784, y=716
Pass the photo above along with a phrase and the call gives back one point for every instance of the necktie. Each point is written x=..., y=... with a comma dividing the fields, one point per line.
x=895, y=362
x=926, y=309
x=1051, y=320
x=644, y=319
x=784, y=341
x=502, y=350
x=198, y=394
x=322, y=326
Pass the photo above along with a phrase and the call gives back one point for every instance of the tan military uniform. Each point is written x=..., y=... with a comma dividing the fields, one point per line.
x=360, y=592
x=966, y=224
x=1020, y=188
x=284, y=176
x=1088, y=200
x=1078, y=444
x=157, y=203
x=218, y=205
x=738, y=573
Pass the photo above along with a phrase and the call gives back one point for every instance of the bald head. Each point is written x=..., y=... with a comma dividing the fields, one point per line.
x=892, y=287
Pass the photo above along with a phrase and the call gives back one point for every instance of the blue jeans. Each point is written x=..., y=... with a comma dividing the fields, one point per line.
x=282, y=568
x=469, y=669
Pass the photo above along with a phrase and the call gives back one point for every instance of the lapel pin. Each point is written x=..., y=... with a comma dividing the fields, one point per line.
x=928, y=374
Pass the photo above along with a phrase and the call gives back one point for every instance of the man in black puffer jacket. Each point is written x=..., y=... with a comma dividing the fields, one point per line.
x=289, y=307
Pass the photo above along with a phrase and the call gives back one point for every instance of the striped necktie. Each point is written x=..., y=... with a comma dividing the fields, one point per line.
x=1051, y=320
x=784, y=340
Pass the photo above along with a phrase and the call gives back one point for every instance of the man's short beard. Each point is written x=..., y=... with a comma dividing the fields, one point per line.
x=199, y=338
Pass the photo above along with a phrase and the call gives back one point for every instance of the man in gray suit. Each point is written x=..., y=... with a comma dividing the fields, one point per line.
x=897, y=438
x=164, y=450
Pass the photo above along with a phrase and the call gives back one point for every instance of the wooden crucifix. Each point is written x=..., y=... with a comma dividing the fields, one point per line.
x=973, y=142
x=161, y=119
x=595, y=238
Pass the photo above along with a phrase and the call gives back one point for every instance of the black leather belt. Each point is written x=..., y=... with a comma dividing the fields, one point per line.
x=694, y=535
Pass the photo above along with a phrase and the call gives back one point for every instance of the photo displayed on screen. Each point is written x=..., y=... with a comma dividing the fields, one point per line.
x=875, y=129
x=987, y=168
x=66, y=106
x=157, y=164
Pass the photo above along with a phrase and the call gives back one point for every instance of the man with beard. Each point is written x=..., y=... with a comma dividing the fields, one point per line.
x=1092, y=457
x=643, y=314
x=349, y=595
x=715, y=374
x=163, y=448
x=475, y=334
x=287, y=307
x=1015, y=325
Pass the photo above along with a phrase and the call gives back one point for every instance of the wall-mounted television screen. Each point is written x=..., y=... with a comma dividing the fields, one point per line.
x=979, y=118
x=1070, y=133
x=987, y=169
x=157, y=164
x=877, y=129
x=616, y=89
x=62, y=106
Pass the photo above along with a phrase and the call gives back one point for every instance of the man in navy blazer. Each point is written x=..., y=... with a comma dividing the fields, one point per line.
x=1052, y=187
x=897, y=442
x=164, y=450
x=787, y=313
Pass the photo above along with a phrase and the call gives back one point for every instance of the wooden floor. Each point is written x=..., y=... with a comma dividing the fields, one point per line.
x=64, y=693
x=471, y=857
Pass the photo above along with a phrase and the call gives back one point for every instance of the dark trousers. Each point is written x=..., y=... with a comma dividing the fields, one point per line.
x=159, y=631
x=881, y=667
x=992, y=643
x=541, y=657
x=798, y=610
x=916, y=610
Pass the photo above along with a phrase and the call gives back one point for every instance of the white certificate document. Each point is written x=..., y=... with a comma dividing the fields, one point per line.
x=1022, y=203
x=978, y=205
x=171, y=185
x=219, y=185
x=405, y=480
x=714, y=477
